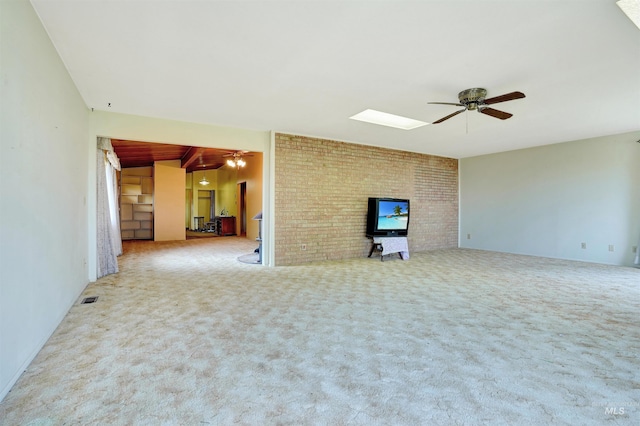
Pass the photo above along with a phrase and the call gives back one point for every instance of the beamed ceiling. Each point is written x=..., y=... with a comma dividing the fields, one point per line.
x=143, y=154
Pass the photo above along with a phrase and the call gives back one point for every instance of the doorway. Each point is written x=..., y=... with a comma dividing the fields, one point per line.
x=206, y=208
x=206, y=204
x=250, y=193
x=242, y=208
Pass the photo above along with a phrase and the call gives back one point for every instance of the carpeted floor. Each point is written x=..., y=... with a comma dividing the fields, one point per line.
x=200, y=234
x=186, y=334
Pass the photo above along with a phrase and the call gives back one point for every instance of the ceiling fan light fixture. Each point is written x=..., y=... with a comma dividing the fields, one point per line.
x=631, y=8
x=389, y=120
x=236, y=159
x=475, y=99
x=472, y=96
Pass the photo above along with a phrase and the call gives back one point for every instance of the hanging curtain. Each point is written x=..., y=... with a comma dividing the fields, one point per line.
x=108, y=221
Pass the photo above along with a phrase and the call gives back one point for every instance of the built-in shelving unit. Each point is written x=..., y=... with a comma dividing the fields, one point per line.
x=136, y=203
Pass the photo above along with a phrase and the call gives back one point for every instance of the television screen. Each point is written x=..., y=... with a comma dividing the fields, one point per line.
x=388, y=217
x=393, y=215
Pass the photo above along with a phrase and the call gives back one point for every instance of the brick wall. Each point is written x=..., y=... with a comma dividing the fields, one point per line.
x=321, y=192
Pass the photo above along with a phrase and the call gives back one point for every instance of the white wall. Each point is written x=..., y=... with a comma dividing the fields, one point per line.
x=548, y=200
x=43, y=183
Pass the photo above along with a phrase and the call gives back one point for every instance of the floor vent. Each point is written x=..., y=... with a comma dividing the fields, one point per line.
x=91, y=299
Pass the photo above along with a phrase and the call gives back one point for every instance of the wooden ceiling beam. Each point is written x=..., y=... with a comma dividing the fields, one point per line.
x=191, y=155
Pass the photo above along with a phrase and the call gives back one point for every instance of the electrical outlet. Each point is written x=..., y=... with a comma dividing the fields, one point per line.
x=468, y=236
x=584, y=245
x=634, y=249
x=610, y=247
x=303, y=247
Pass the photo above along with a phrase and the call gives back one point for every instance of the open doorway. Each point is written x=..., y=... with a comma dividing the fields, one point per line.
x=230, y=194
x=242, y=209
x=207, y=205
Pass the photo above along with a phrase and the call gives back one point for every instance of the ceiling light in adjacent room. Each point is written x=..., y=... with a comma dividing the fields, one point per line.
x=631, y=8
x=236, y=160
x=204, y=180
x=386, y=119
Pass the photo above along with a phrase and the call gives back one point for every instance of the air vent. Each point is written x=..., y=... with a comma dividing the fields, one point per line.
x=92, y=299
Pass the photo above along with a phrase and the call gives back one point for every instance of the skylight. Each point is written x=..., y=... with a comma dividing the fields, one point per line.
x=386, y=119
x=631, y=8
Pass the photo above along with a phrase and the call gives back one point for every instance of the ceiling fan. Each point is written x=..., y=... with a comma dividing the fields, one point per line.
x=475, y=99
x=236, y=160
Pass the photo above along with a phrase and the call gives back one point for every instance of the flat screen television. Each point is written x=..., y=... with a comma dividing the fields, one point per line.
x=388, y=217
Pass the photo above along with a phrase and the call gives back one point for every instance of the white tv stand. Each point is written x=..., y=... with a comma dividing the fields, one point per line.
x=390, y=245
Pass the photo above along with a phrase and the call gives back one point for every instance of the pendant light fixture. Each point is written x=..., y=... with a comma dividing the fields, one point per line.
x=204, y=180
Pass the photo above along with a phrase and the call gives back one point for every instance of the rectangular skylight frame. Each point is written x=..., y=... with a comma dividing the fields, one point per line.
x=389, y=120
x=631, y=8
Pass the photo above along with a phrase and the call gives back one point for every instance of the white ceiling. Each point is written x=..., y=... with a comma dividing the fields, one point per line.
x=304, y=67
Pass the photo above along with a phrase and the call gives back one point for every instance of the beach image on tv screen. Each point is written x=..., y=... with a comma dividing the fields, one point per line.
x=393, y=215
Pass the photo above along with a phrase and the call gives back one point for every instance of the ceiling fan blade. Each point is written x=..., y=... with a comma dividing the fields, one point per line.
x=444, y=103
x=495, y=113
x=503, y=98
x=231, y=154
x=449, y=116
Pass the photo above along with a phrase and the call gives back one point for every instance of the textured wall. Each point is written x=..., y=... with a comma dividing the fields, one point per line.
x=321, y=192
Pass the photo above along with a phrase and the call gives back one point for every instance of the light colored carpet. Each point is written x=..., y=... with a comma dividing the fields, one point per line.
x=187, y=335
x=198, y=234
